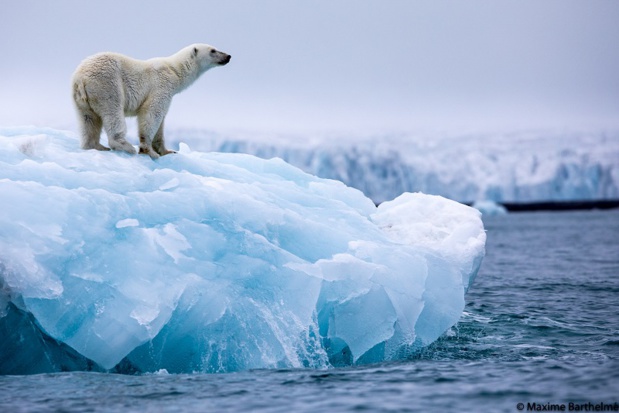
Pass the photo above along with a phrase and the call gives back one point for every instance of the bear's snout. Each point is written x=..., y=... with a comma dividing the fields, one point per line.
x=225, y=60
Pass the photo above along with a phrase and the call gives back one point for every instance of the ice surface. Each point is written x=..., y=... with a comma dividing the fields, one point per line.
x=537, y=166
x=214, y=262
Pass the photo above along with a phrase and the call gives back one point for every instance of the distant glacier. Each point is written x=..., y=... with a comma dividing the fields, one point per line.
x=515, y=167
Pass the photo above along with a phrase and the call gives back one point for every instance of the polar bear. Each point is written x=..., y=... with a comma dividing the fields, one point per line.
x=109, y=86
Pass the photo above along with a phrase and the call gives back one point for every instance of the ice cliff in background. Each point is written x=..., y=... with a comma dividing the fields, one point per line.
x=214, y=262
x=516, y=167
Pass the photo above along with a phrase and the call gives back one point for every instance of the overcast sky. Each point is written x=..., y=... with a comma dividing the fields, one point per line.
x=347, y=65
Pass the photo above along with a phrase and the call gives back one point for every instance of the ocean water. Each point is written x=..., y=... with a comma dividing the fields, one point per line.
x=540, y=331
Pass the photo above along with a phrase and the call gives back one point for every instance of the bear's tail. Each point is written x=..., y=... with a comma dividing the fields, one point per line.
x=80, y=97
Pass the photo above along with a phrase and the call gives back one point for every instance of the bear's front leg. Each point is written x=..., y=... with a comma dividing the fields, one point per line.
x=159, y=143
x=149, y=121
x=146, y=147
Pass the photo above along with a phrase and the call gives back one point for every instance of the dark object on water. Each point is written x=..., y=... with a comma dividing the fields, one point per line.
x=561, y=205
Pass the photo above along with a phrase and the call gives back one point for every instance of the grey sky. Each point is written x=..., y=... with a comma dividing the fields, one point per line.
x=308, y=65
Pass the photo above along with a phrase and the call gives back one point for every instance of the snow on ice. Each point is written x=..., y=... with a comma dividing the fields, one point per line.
x=214, y=262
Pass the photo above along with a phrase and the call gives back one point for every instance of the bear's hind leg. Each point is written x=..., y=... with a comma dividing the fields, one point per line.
x=90, y=130
x=116, y=130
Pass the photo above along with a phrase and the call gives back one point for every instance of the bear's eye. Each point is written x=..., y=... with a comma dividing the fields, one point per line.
x=213, y=51
x=195, y=51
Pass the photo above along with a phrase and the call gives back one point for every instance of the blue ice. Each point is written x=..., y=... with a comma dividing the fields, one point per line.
x=211, y=262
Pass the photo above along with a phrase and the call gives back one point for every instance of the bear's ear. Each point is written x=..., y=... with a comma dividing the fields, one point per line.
x=195, y=51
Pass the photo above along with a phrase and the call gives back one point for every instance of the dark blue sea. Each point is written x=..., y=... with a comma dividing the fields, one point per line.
x=540, y=333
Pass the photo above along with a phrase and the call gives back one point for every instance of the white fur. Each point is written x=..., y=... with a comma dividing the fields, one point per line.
x=109, y=86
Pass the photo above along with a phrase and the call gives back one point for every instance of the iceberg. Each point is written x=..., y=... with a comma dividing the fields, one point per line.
x=214, y=262
x=489, y=207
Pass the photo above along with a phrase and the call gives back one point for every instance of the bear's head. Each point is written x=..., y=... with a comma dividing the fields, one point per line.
x=207, y=56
